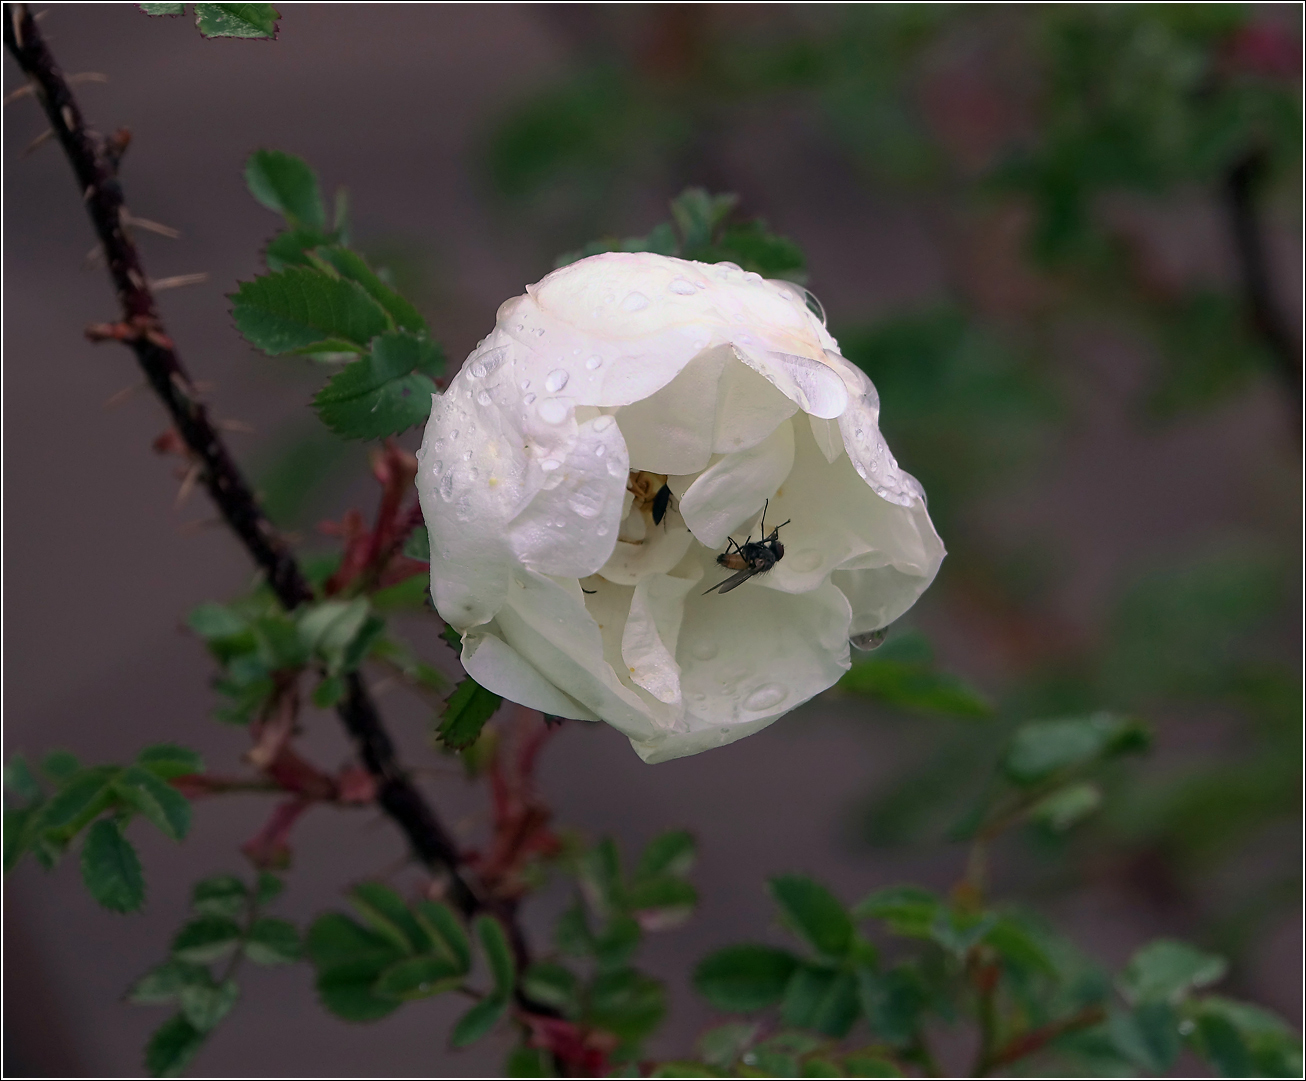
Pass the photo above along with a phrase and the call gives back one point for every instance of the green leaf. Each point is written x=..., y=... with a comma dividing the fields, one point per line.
x=529, y=1062
x=286, y=184
x=381, y=394
x=466, y=712
x=915, y=687
x=814, y=913
x=206, y=939
x=84, y=797
x=335, y=940
x=216, y=621
x=292, y=247
x=667, y=854
x=167, y=760
x=552, y=985
x=304, y=310
x=626, y=1003
x=489, y=932
x=237, y=20
x=1166, y=970
x=269, y=887
x=329, y=691
x=821, y=999
x=617, y=943
x=172, y=1046
x=1147, y=1035
x=861, y=1064
x=661, y=903
x=698, y=214
x=743, y=978
x=223, y=896
x=18, y=823
x=599, y=872
x=957, y=932
x=328, y=628
x=164, y=982
x=1067, y=806
x=908, y=910
x=60, y=765
x=446, y=932
x=892, y=1002
x=111, y=869
x=478, y=1021
x=1019, y=947
x=346, y=990
x=205, y=1005
x=273, y=942
x=1221, y=1044
x=572, y=935
x=162, y=9
x=722, y=1046
x=349, y=264
x=1043, y=748
x=157, y=800
x=387, y=913
x=418, y=977
x=18, y=779
x=1274, y=1048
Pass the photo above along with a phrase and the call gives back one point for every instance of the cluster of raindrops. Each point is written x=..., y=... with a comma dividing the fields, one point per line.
x=876, y=465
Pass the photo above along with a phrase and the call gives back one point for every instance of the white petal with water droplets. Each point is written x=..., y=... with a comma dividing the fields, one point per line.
x=748, y=408
x=648, y=644
x=731, y=491
x=498, y=667
x=816, y=387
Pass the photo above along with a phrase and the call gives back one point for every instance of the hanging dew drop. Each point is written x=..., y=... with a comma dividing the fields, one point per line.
x=868, y=640
x=557, y=379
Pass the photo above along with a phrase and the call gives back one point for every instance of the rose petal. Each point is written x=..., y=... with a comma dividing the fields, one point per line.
x=570, y=527
x=648, y=644
x=498, y=667
x=814, y=385
x=671, y=431
x=748, y=408
x=732, y=490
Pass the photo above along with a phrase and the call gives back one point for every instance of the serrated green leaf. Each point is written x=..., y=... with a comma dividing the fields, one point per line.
x=490, y=934
x=667, y=854
x=167, y=760
x=292, y=247
x=224, y=896
x=349, y=264
x=1067, y=806
x=572, y=934
x=172, y=1046
x=1040, y=749
x=1166, y=970
x=237, y=20
x=722, y=1046
x=466, y=712
x=383, y=393
x=892, y=1002
x=286, y=184
x=204, y=1005
x=552, y=985
x=111, y=869
x=813, y=913
x=301, y=309
x=18, y=779
x=60, y=765
x=273, y=942
x=418, y=977
x=387, y=913
x=164, y=982
x=617, y=943
x=821, y=999
x=206, y=939
x=162, y=9
x=157, y=800
x=211, y=621
x=661, y=903
x=529, y=1062
x=478, y=1021
x=81, y=799
x=626, y=1003
x=446, y=932
x=328, y=628
x=743, y=978
x=334, y=940
x=280, y=646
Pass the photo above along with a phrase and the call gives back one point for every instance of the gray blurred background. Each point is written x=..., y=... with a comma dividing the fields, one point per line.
x=400, y=104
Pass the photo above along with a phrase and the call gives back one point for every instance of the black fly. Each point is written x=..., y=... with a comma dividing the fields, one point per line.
x=752, y=557
x=661, y=503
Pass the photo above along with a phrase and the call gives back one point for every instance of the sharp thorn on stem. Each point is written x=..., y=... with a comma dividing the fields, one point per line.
x=179, y=281
x=37, y=143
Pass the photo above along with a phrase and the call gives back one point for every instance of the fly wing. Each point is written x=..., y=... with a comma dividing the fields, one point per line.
x=734, y=580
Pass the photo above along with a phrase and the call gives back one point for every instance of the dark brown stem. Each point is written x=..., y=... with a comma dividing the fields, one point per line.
x=1241, y=188
x=93, y=160
x=1038, y=1038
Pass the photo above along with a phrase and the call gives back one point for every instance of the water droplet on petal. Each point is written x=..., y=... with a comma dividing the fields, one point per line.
x=454, y=434
x=867, y=640
x=554, y=410
x=550, y=464
x=529, y=398
x=438, y=468
x=683, y=288
x=483, y=398
x=526, y=384
x=467, y=456
x=603, y=423
x=766, y=696
x=602, y=531
x=594, y=363
x=477, y=370
x=557, y=379
x=446, y=487
x=600, y=451
x=703, y=650
x=615, y=468
x=634, y=302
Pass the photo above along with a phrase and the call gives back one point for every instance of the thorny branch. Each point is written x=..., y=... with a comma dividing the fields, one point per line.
x=94, y=162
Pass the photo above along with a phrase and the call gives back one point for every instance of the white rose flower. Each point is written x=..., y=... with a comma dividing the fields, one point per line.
x=541, y=469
